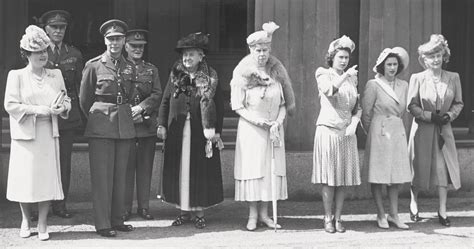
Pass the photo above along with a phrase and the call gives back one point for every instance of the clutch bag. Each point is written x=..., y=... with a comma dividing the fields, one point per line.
x=59, y=99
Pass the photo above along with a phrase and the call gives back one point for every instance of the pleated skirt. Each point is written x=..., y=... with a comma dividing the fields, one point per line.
x=335, y=158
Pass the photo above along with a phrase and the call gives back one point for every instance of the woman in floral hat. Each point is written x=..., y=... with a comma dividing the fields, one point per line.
x=262, y=95
x=190, y=122
x=34, y=98
x=335, y=156
x=435, y=100
x=386, y=153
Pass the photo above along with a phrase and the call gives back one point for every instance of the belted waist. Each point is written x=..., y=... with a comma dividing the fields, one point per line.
x=113, y=99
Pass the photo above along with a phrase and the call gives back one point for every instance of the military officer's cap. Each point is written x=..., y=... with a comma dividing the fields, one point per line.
x=55, y=17
x=113, y=27
x=137, y=36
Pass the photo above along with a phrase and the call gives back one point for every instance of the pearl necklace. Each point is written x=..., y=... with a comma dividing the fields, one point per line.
x=39, y=80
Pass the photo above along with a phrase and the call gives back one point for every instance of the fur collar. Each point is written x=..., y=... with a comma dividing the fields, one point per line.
x=246, y=76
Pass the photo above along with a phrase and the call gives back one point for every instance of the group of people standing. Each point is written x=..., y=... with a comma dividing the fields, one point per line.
x=117, y=98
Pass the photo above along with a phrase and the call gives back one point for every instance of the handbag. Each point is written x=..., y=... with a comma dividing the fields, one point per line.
x=59, y=99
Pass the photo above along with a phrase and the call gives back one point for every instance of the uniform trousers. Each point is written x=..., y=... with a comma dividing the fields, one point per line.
x=108, y=160
x=66, y=138
x=139, y=171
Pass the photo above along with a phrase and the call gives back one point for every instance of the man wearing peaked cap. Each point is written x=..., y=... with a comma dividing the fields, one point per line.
x=69, y=60
x=146, y=97
x=105, y=98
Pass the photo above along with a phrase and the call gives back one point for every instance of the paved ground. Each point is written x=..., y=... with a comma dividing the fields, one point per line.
x=301, y=221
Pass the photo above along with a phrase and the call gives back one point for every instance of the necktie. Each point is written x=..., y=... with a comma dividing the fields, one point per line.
x=56, y=53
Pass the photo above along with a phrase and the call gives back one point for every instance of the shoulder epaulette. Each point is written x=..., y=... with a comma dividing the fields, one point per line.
x=94, y=59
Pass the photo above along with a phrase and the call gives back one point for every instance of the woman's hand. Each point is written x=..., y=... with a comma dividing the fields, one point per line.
x=161, y=132
x=352, y=71
x=352, y=127
x=56, y=110
x=136, y=110
x=209, y=133
x=42, y=111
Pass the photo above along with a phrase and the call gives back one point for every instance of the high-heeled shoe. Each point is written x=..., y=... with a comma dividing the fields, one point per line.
x=397, y=223
x=252, y=224
x=382, y=223
x=415, y=217
x=444, y=221
x=339, y=227
x=25, y=230
x=268, y=223
x=329, y=225
x=43, y=236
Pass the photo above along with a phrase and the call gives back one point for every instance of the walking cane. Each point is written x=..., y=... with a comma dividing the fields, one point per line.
x=273, y=181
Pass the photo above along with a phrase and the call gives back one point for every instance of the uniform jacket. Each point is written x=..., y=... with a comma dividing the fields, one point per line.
x=101, y=78
x=205, y=173
x=70, y=63
x=146, y=92
x=337, y=106
x=424, y=134
x=22, y=116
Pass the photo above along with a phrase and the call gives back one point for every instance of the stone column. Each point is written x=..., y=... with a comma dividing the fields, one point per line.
x=306, y=29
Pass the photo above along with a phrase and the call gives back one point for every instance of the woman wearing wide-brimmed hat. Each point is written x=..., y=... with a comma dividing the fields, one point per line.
x=386, y=153
x=34, y=98
x=335, y=155
x=190, y=122
x=262, y=95
x=435, y=100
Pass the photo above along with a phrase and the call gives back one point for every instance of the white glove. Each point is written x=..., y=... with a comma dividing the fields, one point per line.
x=252, y=118
x=351, y=129
x=209, y=133
x=56, y=110
x=161, y=132
x=136, y=110
x=41, y=110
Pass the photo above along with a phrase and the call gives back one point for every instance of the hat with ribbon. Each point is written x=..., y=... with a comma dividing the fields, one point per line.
x=113, y=27
x=137, y=36
x=401, y=52
x=262, y=36
x=437, y=43
x=34, y=39
x=193, y=40
x=55, y=17
x=342, y=42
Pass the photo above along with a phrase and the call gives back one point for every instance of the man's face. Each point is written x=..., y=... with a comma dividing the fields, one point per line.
x=56, y=32
x=114, y=44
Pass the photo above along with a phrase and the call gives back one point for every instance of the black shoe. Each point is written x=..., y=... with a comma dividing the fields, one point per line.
x=200, y=222
x=415, y=217
x=181, y=220
x=124, y=228
x=143, y=212
x=108, y=232
x=444, y=221
x=126, y=215
x=62, y=213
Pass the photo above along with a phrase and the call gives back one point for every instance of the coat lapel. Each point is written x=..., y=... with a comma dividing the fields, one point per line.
x=387, y=89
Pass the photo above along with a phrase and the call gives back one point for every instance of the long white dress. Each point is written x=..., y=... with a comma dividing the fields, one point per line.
x=253, y=149
x=34, y=170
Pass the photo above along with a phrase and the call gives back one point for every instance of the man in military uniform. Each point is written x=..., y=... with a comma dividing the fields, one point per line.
x=105, y=97
x=146, y=98
x=69, y=60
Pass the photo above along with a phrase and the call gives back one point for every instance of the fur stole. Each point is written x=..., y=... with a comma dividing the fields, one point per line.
x=245, y=75
x=203, y=85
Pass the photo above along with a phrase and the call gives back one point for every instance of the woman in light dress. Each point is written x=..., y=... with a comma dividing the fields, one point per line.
x=435, y=100
x=33, y=101
x=261, y=94
x=335, y=156
x=386, y=150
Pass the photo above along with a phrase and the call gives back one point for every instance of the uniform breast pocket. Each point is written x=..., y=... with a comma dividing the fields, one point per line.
x=105, y=84
x=69, y=70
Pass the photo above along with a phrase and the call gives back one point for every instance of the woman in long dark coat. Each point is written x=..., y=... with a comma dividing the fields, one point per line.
x=190, y=119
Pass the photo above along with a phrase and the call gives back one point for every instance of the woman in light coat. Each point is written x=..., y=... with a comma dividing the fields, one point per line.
x=435, y=100
x=34, y=100
x=261, y=94
x=386, y=153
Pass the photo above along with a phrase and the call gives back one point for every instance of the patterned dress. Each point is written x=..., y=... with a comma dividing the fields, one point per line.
x=335, y=155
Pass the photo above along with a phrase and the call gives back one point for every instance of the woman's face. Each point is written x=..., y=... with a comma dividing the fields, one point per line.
x=434, y=61
x=390, y=67
x=191, y=57
x=260, y=53
x=341, y=60
x=38, y=59
x=134, y=51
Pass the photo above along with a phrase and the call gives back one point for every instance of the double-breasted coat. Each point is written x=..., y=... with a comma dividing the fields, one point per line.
x=423, y=100
x=386, y=149
x=205, y=173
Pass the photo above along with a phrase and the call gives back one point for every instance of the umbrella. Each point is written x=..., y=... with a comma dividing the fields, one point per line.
x=273, y=181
